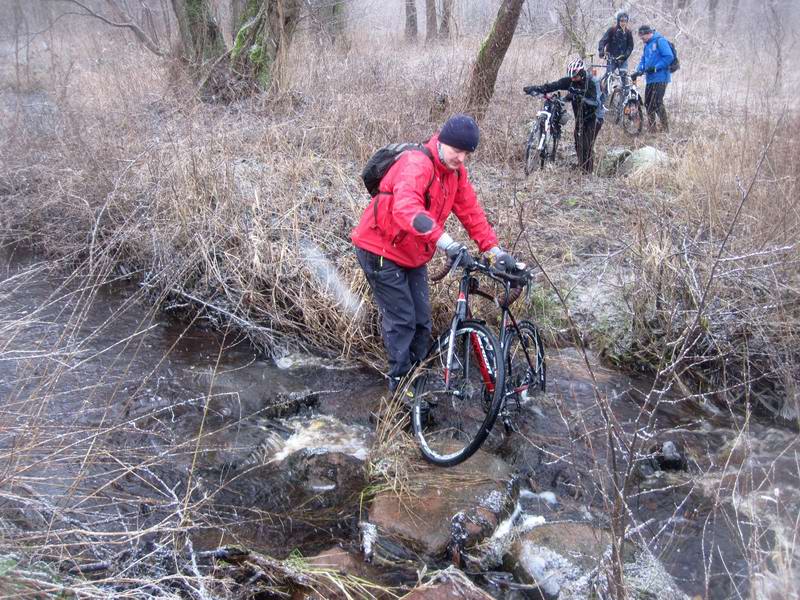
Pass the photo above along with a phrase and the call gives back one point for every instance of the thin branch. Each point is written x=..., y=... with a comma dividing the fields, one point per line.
x=137, y=31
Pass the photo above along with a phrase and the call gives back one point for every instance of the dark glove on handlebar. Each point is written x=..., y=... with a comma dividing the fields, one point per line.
x=504, y=262
x=532, y=89
x=458, y=252
x=636, y=74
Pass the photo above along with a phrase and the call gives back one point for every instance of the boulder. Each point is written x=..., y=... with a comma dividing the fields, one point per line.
x=551, y=555
x=643, y=159
x=610, y=163
x=339, y=575
x=566, y=561
x=445, y=509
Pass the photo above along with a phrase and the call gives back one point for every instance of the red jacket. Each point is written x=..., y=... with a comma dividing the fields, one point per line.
x=386, y=226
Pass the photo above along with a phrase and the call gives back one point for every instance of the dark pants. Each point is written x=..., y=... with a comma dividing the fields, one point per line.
x=654, y=103
x=585, y=134
x=405, y=307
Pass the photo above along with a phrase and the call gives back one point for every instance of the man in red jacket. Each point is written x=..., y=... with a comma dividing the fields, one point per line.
x=402, y=227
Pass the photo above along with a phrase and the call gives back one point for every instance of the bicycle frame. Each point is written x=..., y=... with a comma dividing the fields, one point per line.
x=507, y=323
x=462, y=313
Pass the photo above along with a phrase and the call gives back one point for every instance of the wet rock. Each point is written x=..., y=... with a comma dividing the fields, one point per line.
x=328, y=478
x=643, y=159
x=447, y=586
x=566, y=561
x=552, y=554
x=310, y=471
x=447, y=508
x=343, y=564
x=610, y=163
x=669, y=457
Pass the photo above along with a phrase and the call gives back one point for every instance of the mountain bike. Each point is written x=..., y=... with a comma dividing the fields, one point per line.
x=611, y=79
x=626, y=104
x=471, y=376
x=545, y=133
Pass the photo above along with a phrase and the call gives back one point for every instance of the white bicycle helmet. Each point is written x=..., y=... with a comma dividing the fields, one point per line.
x=576, y=67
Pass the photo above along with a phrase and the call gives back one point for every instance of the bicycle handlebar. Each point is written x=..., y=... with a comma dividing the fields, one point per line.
x=522, y=276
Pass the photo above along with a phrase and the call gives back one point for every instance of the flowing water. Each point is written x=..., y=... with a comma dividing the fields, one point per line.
x=120, y=424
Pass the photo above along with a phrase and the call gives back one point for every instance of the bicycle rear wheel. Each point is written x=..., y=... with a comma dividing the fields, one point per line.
x=525, y=367
x=455, y=409
x=632, y=117
x=534, y=158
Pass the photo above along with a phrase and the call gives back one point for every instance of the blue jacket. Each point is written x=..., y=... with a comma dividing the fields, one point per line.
x=658, y=54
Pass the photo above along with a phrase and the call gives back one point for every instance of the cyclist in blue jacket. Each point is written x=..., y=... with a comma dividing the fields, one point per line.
x=657, y=56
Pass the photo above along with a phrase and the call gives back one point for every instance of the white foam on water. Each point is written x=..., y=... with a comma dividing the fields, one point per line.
x=323, y=434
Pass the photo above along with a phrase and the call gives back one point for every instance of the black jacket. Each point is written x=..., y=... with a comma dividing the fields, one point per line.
x=585, y=96
x=616, y=42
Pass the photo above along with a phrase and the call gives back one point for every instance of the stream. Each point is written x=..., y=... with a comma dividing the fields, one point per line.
x=120, y=425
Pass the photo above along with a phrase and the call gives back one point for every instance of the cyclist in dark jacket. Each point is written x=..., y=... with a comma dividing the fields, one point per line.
x=404, y=225
x=616, y=45
x=584, y=92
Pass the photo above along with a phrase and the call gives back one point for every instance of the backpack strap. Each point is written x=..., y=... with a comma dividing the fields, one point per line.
x=419, y=148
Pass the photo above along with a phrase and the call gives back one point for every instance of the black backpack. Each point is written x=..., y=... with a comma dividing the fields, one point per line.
x=675, y=64
x=380, y=162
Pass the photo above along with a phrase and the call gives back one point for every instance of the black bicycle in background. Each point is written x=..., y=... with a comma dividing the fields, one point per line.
x=471, y=376
x=545, y=132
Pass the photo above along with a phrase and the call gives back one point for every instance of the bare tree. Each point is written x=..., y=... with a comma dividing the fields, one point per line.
x=777, y=35
x=411, y=21
x=263, y=31
x=733, y=10
x=447, y=18
x=117, y=15
x=327, y=20
x=432, y=30
x=712, y=15
x=490, y=57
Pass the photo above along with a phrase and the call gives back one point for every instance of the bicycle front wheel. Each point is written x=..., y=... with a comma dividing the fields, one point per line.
x=632, y=117
x=534, y=157
x=525, y=367
x=615, y=105
x=456, y=406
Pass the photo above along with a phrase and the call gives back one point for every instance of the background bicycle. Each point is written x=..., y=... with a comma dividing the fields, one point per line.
x=545, y=133
x=625, y=104
x=471, y=375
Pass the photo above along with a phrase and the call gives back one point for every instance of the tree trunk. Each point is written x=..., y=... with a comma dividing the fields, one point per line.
x=328, y=20
x=432, y=30
x=263, y=30
x=411, y=21
x=712, y=15
x=201, y=39
x=490, y=57
x=732, y=12
x=447, y=18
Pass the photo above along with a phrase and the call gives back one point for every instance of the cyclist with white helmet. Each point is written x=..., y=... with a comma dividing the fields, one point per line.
x=584, y=93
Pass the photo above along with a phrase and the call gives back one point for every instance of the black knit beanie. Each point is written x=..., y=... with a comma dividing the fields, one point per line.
x=460, y=131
